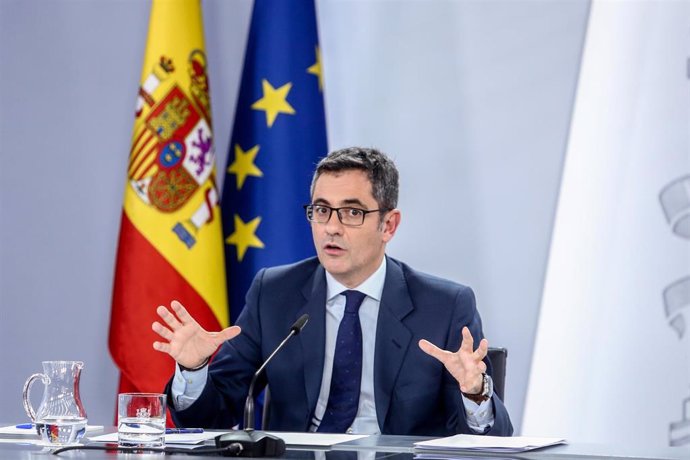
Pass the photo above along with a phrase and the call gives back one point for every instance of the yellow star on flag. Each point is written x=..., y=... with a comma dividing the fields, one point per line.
x=243, y=165
x=274, y=101
x=315, y=69
x=244, y=236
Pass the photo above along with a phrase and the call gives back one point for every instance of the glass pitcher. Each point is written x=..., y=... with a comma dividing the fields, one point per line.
x=60, y=418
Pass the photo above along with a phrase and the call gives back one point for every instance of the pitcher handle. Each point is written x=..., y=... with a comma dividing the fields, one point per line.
x=25, y=394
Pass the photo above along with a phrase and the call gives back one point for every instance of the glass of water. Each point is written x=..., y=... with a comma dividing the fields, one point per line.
x=141, y=420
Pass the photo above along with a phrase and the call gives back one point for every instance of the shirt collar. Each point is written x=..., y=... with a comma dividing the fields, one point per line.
x=372, y=286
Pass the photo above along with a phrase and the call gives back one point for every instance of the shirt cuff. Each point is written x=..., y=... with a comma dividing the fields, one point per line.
x=187, y=386
x=480, y=417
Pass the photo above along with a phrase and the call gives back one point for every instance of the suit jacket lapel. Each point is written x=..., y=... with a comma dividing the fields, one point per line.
x=313, y=336
x=392, y=337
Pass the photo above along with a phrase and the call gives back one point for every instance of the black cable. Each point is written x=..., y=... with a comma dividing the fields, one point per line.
x=232, y=450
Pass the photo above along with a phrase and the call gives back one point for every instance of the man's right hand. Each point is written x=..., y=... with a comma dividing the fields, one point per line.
x=185, y=340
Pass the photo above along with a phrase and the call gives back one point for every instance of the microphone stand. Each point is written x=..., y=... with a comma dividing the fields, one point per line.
x=258, y=443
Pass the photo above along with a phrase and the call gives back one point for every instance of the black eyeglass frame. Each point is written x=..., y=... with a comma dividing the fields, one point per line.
x=309, y=209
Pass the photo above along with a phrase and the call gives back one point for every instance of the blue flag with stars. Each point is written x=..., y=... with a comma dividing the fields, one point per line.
x=278, y=137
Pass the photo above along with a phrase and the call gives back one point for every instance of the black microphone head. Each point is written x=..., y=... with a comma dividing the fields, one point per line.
x=299, y=324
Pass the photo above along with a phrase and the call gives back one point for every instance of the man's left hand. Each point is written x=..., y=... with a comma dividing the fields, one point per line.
x=466, y=365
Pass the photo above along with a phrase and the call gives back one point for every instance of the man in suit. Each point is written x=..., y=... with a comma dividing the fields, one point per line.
x=366, y=362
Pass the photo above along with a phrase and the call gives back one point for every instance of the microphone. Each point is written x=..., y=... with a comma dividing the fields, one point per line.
x=295, y=329
x=255, y=443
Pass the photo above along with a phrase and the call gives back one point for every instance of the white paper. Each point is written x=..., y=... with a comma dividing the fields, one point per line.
x=298, y=439
x=26, y=441
x=12, y=430
x=487, y=443
x=175, y=438
x=190, y=438
x=315, y=439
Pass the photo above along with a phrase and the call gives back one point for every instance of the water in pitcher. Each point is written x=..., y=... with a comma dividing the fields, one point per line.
x=60, y=418
x=61, y=431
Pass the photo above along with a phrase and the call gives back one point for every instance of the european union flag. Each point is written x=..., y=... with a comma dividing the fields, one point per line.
x=278, y=137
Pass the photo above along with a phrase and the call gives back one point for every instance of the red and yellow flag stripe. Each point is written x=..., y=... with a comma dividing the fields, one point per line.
x=170, y=243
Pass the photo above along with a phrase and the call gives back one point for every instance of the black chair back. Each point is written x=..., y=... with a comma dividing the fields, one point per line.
x=498, y=358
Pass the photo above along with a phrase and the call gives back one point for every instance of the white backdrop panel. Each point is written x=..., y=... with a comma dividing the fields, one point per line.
x=608, y=365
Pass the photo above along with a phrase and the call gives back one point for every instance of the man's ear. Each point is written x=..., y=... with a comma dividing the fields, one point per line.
x=390, y=224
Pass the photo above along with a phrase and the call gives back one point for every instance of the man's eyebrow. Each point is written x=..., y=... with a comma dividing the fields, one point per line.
x=354, y=201
x=347, y=202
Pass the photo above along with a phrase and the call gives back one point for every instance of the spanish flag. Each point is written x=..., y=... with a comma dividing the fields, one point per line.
x=171, y=243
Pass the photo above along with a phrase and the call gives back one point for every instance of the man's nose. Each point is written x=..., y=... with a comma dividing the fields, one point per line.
x=333, y=225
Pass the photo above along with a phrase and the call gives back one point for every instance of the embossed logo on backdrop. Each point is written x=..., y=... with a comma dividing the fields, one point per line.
x=675, y=201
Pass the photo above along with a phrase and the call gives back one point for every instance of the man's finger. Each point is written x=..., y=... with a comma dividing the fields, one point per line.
x=169, y=318
x=230, y=333
x=482, y=349
x=432, y=350
x=467, y=340
x=161, y=330
x=181, y=312
x=162, y=347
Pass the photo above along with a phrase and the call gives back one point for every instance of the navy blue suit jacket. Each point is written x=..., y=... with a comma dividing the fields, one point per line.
x=414, y=393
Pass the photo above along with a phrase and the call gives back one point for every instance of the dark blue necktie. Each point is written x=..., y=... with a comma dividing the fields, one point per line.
x=346, y=379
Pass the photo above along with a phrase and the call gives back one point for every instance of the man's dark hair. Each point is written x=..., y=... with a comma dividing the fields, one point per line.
x=380, y=170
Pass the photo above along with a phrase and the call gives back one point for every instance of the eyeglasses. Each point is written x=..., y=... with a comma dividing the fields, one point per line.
x=351, y=217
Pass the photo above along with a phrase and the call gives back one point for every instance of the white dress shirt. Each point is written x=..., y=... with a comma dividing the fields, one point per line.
x=187, y=386
x=365, y=420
